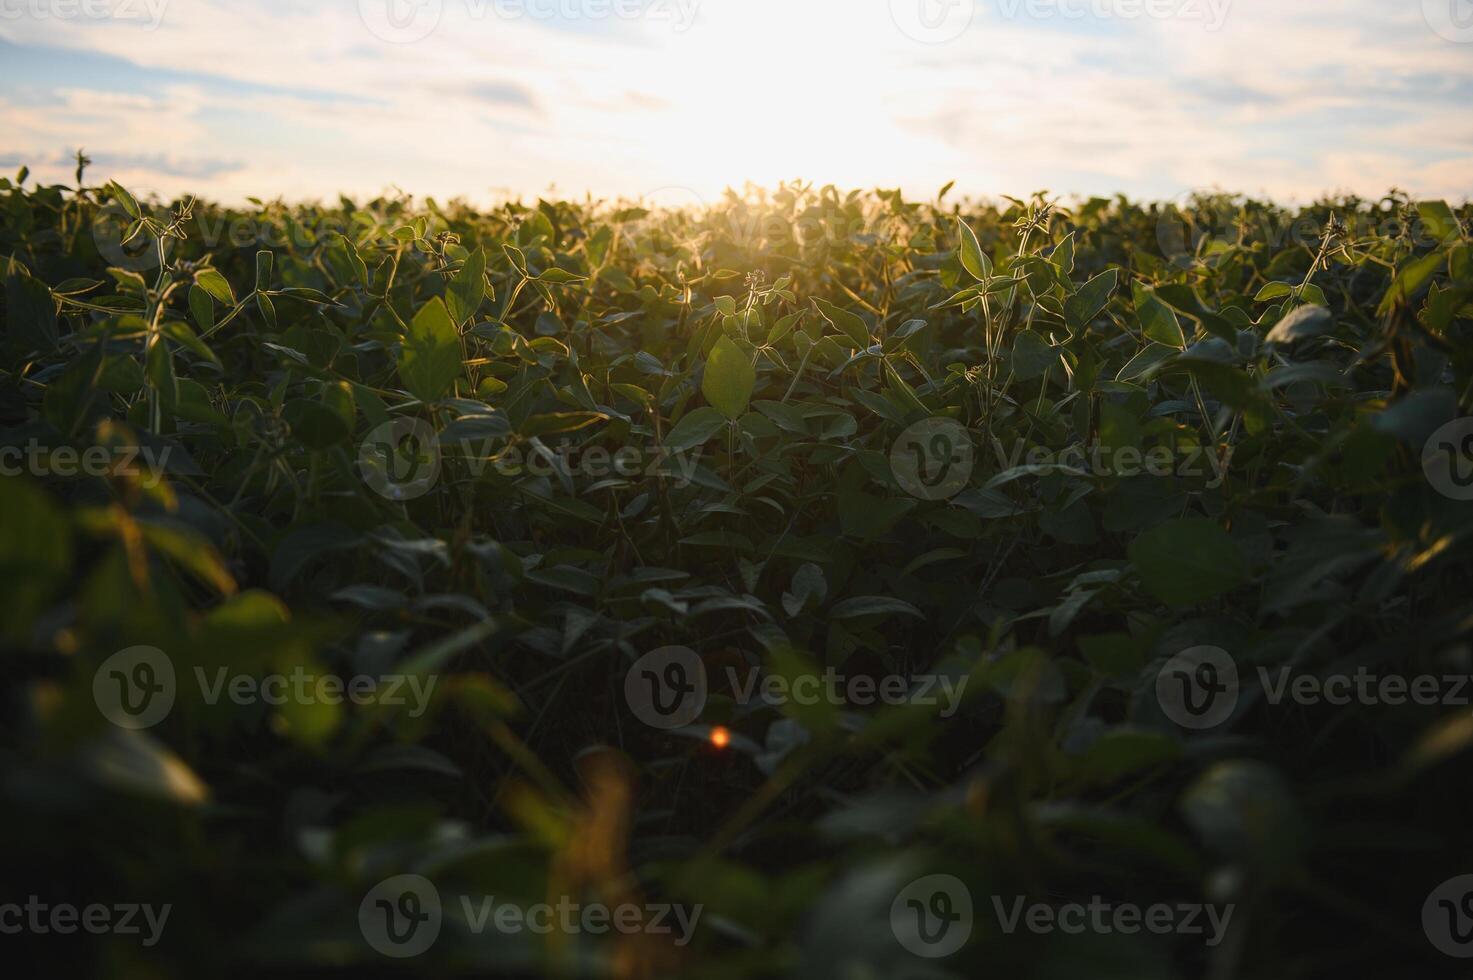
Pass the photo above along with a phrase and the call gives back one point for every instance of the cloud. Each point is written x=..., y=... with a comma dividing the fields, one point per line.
x=232, y=99
x=193, y=168
x=502, y=93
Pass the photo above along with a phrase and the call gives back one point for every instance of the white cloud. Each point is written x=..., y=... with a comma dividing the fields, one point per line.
x=1291, y=100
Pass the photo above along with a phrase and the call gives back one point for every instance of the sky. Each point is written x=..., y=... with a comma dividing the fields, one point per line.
x=671, y=101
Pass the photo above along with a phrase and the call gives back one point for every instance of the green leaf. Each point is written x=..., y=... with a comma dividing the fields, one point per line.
x=159, y=369
x=212, y=282
x=194, y=405
x=849, y=324
x=1063, y=255
x=1313, y=294
x=264, y=261
x=783, y=327
x=1412, y=279
x=135, y=763
x=1439, y=221
x=973, y=259
x=1147, y=360
x=201, y=307
x=553, y=423
x=179, y=332
x=1301, y=324
x=1085, y=305
x=1123, y=751
x=1245, y=811
x=326, y=421
x=430, y=361
x=35, y=553
x=267, y=308
x=1414, y=418
x=694, y=428
x=30, y=312
x=355, y=260
x=1158, y=321
x=873, y=605
x=466, y=291
x=1188, y=560
x=36, y=535
x=729, y=378
x=559, y=277
x=517, y=257
x=126, y=200
x=1032, y=355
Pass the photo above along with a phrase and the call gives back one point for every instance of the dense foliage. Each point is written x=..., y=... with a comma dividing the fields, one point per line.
x=1199, y=425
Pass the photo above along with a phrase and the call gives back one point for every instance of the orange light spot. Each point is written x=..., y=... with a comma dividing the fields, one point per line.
x=720, y=737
